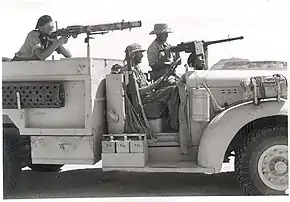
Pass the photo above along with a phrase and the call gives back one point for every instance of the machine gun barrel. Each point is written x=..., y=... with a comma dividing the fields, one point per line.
x=207, y=43
x=189, y=47
x=95, y=29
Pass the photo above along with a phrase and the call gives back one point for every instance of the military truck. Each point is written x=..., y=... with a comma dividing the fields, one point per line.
x=74, y=111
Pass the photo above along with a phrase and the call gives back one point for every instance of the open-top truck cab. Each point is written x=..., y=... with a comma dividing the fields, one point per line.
x=73, y=111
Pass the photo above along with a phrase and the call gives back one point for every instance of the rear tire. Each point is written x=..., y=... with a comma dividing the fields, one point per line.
x=45, y=167
x=261, y=162
x=11, y=165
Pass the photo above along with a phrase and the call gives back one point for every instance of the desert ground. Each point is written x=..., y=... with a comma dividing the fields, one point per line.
x=90, y=181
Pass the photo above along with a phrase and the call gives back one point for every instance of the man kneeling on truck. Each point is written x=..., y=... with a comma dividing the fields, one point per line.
x=154, y=93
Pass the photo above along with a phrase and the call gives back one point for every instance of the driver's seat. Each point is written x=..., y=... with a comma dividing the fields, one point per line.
x=155, y=113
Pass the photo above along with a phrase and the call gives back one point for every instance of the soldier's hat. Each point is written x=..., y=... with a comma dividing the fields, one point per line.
x=161, y=28
x=134, y=47
x=43, y=20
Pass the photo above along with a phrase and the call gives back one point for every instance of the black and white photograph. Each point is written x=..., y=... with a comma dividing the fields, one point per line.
x=152, y=100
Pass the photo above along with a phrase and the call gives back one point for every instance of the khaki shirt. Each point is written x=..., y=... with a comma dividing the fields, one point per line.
x=139, y=77
x=154, y=55
x=32, y=42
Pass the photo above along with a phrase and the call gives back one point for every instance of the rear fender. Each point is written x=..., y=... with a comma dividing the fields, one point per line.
x=223, y=128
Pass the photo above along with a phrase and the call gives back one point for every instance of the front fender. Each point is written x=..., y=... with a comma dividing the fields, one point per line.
x=222, y=129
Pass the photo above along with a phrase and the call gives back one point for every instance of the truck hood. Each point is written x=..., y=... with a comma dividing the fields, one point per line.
x=226, y=78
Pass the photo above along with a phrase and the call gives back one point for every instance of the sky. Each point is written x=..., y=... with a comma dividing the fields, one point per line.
x=262, y=23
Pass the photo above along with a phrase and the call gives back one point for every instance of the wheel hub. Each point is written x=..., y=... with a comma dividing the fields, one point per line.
x=273, y=167
x=280, y=167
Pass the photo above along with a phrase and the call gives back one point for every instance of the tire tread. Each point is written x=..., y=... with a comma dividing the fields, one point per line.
x=242, y=158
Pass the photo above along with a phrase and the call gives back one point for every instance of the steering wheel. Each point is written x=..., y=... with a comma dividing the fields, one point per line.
x=170, y=71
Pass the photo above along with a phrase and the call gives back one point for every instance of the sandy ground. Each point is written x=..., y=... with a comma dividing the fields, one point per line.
x=91, y=181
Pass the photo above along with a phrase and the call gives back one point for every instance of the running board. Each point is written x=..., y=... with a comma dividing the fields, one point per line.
x=163, y=144
x=171, y=167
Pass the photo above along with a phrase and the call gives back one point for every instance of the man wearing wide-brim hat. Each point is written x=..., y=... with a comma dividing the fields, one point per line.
x=158, y=60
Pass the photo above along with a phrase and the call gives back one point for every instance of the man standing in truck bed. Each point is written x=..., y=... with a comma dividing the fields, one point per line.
x=38, y=46
x=159, y=60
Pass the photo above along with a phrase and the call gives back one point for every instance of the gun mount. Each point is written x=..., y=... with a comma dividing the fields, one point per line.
x=199, y=51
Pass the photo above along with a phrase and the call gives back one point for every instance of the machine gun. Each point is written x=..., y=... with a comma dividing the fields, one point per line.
x=199, y=49
x=74, y=31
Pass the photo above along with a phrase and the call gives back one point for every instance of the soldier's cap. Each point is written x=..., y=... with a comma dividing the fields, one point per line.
x=161, y=28
x=134, y=47
x=43, y=20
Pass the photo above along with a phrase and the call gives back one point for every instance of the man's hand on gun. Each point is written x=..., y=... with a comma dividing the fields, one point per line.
x=61, y=41
x=167, y=50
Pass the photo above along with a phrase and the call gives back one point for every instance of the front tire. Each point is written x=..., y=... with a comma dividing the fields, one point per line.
x=261, y=162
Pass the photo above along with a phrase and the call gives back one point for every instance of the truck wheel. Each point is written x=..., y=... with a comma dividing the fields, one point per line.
x=45, y=167
x=261, y=162
x=11, y=165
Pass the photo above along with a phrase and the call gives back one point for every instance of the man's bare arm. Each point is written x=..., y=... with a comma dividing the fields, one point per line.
x=42, y=54
x=65, y=52
x=56, y=43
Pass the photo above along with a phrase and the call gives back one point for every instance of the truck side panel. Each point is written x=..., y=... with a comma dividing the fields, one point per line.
x=62, y=150
x=70, y=134
x=72, y=118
